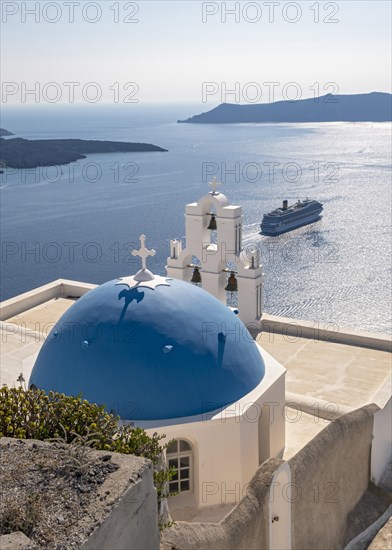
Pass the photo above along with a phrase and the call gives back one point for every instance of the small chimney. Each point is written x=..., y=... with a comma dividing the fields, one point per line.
x=285, y=204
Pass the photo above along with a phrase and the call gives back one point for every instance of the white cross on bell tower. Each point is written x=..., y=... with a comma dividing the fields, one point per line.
x=214, y=184
x=144, y=274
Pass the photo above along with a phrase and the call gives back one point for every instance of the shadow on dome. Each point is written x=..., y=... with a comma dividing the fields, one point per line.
x=129, y=295
x=221, y=349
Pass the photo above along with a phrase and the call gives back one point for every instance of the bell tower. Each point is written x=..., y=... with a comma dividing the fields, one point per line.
x=213, y=232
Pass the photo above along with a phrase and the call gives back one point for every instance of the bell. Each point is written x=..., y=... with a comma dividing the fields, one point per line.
x=232, y=283
x=212, y=224
x=196, y=277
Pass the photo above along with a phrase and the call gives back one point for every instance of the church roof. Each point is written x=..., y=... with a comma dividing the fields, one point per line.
x=150, y=349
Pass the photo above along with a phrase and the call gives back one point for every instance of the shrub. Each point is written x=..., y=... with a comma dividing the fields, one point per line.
x=33, y=414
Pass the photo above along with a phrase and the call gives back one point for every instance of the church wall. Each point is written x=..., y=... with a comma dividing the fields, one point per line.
x=381, y=448
x=217, y=458
x=220, y=479
x=249, y=439
x=275, y=399
x=262, y=427
x=226, y=443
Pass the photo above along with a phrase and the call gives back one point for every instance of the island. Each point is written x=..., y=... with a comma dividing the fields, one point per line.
x=4, y=132
x=25, y=153
x=373, y=107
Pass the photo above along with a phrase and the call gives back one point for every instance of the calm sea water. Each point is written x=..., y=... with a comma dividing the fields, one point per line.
x=80, y=221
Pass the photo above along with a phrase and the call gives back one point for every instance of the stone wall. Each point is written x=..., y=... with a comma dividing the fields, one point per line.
x=117, y=513
x=132, y=523
x=330, y=475
x=307, y=329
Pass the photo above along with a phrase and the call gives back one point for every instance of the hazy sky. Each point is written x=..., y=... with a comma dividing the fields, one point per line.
x=171, y=51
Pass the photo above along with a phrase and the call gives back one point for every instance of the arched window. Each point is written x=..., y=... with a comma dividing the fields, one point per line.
x=180, y=456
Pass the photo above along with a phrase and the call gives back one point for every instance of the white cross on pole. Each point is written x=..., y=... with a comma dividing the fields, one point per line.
x=143, y=252
x=214, y=185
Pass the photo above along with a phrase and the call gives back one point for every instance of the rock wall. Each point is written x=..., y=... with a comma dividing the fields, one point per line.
x=330, y=475
x=132, y=523
x=117, y=512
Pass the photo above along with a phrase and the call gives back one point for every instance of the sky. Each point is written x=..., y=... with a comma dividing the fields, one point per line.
x=192, y=51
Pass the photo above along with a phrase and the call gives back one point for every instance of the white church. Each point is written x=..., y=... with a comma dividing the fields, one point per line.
x=175, y=359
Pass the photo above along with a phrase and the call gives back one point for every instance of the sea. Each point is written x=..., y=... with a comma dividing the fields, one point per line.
x=81, y=221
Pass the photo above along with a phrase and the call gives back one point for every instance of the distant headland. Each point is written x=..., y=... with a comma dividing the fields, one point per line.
x=25, y=153
x=373, y=107
x=4, y=132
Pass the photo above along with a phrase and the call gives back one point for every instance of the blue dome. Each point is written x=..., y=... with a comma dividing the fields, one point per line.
x=150, y=354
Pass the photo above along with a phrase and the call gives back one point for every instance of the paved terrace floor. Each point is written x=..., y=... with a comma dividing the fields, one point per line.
x=19, y=348
x=42, y=318
x=345, y=375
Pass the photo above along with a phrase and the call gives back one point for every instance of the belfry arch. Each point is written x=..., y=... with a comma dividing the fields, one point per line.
x=214, y=211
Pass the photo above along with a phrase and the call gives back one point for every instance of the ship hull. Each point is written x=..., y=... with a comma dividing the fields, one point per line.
x=298, y=215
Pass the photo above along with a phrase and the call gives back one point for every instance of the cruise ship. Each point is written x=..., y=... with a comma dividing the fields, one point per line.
x=288, y=218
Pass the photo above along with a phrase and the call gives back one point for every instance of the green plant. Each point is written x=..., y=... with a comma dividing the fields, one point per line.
x=80, y=453
x=33, y=414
